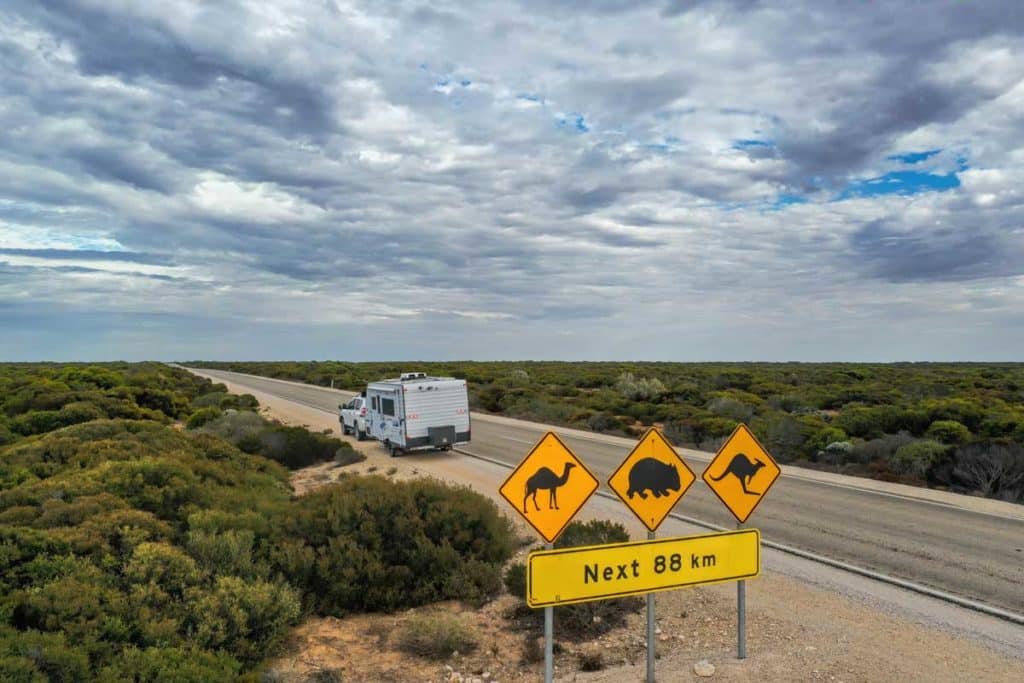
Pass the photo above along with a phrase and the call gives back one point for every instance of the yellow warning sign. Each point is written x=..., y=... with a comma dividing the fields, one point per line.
x=549, y=486
x=652, y=479
x=741, y=473
x=567, y=575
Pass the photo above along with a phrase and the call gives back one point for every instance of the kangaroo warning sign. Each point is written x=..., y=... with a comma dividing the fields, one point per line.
x=741, y=473
x=652, y=479
x=549, y=486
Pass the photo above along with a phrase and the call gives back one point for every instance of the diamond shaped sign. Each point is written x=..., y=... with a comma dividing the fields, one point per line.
x=652, y=479
x=741, y=473
x=549, y=487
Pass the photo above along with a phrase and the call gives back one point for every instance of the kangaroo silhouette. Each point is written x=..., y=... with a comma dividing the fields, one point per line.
x=743, y=469
x=546, y=479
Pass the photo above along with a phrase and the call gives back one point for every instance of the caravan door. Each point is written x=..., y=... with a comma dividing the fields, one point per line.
x=388, y=415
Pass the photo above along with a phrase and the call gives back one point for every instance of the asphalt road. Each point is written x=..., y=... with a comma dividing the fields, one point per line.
x=943, y=544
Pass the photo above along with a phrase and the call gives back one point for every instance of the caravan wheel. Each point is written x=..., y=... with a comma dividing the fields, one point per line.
x=392, y=449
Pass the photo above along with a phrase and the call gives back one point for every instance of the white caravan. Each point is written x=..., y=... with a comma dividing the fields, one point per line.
x=417, y=412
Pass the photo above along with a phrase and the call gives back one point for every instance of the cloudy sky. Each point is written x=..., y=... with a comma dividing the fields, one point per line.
x=602, y=179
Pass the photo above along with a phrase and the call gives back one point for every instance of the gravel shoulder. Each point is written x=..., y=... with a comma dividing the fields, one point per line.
x=805, y=622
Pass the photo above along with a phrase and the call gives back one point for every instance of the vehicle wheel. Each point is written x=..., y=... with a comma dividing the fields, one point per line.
x=344, y=429
x=392, y=451
x=360, y=435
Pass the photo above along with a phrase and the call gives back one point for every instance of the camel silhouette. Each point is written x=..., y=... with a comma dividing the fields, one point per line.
x=546, y=479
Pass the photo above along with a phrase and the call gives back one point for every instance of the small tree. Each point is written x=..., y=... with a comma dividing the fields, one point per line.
x=948, y=432
x=917, y=457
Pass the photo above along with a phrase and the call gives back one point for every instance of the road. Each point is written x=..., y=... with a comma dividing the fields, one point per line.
x=958, y=544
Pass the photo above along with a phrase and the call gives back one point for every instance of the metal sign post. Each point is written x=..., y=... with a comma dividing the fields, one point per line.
x=549, y=637
x=741, y=616
x=650, y=628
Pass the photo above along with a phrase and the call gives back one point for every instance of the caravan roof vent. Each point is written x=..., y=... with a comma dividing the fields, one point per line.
x=413, y=375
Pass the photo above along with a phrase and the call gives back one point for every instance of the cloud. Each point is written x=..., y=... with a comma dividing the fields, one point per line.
x=538, y=178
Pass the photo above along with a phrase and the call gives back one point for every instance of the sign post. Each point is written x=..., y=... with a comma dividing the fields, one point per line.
x=650, y=481
x=553, y=473
x=740, y=475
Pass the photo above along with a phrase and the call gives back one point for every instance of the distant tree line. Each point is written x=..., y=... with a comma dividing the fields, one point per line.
x=951, y=425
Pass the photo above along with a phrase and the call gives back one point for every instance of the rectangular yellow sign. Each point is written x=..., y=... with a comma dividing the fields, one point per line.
x=599, y=572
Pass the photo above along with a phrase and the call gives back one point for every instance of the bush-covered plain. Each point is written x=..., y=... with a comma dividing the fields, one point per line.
x=851, y=418
x=148, y=531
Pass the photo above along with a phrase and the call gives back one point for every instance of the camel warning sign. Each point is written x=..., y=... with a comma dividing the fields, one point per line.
x=652, y=479
x=549, y=486
x=741, y=473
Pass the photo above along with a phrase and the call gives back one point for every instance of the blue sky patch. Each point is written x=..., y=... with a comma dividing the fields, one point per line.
x=577, y=121
x=900, y=182
x=751, y=143
x=914, y=157
x=788, y=199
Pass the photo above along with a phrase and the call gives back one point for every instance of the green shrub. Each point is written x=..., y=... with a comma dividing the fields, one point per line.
x=588, y=619
x=169, y=665
x=210, y=400
x=164, y=565
x=32, y=656
x=372, y=544
x=435, y=636
x=229, y=552
x=949, y=432
x=248, y=619
x=917, y=457
x=202, y=417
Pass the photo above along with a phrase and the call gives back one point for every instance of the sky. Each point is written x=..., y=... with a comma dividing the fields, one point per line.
x=604, y=179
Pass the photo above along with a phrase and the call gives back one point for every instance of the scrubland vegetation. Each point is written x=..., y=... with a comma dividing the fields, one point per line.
x=148, y=531
x=956, y=426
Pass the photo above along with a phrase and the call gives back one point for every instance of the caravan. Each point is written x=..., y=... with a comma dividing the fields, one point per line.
x=416, y=412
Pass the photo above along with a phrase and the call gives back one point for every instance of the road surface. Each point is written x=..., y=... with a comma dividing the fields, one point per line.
x=963, y=545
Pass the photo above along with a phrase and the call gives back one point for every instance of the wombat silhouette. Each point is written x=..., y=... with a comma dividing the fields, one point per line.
x=648, y=474
x=546, y=479
x=743, y=469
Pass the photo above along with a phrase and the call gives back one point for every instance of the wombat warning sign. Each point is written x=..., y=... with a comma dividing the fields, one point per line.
x=652, y=479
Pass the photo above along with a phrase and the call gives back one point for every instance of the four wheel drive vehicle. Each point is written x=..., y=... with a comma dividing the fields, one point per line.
x=353, y=417
x=416, y=412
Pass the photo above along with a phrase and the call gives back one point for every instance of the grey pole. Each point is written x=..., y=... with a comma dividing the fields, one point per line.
x=650, y=628
x=549, y=629
x=741, y=616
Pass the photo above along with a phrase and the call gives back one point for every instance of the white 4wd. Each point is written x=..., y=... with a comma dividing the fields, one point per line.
x=353, y=418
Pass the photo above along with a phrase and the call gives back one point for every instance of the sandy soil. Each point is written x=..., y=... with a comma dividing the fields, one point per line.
x=796, y=632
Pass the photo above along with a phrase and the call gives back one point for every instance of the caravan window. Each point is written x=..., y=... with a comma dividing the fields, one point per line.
x=387, y=406
x=375, y=404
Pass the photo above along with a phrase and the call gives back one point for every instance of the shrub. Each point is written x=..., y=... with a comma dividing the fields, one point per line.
x=245, y=618
x=435, y=636
x=210, y=400
x=369, y=543
x=917, y=457
x=169, y=665
x=731, y=408
x=643, y=389
x=201, y=417
x=587, y=619
x=994, y=469
x=42, y=657
x=949, y=432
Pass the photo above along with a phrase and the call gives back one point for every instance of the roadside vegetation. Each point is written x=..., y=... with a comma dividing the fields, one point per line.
x=148, y=530
x=581, y=621
x=955, y=426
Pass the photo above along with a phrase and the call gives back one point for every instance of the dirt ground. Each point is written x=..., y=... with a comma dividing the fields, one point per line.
x=795, y=632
